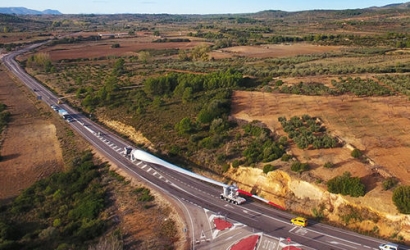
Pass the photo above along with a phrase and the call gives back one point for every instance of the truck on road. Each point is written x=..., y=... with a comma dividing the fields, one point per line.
x=231, y=194
x=65, y=115
x=62, y=112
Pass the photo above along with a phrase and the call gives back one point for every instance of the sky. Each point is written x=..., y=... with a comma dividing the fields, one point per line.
x=189, y=6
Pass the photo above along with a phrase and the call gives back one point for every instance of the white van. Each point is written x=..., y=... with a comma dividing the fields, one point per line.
x=389, y=246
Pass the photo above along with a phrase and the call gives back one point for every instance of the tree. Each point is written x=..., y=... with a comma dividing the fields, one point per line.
x=356, y=153
x=144, y=56
x=389, y=183
x=185, y=126
x=218, y=125
x=346, y=185
x=183, y=55
x=200, y=52
x=299, y=167
x=205, y=116
x=268, y=168
x=187, y=95
x=119, y=67
x=401, y=198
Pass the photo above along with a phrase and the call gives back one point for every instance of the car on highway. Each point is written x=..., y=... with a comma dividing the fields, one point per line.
x=54, y=107
x=299, y=221
x=388, y=246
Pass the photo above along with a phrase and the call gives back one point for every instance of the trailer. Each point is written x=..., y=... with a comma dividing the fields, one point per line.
x=230, y=192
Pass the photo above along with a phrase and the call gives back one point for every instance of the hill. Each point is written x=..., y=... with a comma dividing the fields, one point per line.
x=25, y=11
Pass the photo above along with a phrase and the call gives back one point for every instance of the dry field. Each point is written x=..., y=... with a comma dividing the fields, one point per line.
x=102, y=48
x=29, y=146
x=379, y=126
x=273, y=50
x=132, y=45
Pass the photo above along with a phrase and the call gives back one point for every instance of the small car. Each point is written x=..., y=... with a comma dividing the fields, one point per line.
x=389, y=246
x=299, y=221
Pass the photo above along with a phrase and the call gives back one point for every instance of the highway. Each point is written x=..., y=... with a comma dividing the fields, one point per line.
x=262, y=217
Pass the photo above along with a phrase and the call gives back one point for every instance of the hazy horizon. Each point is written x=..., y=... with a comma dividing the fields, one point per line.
x=191, y=7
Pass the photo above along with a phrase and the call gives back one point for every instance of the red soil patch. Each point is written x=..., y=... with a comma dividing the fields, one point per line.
x=102, y=48
x=272, y=50
x=248, y=243
x=221, y=224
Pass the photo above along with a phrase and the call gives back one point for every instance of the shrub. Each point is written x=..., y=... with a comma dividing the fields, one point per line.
x=299, y=167
x=144, y=194
x=220, y=158
x=267, y=168
x=318, y=212
x=389, y=183
x=356, y=153
x=225, y=168
x=346, y=185
x=328, y=165
x=236, y=163
x=401, y=198
x=285, y=157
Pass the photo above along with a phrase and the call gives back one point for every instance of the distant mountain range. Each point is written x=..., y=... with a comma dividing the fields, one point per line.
x=25, y=11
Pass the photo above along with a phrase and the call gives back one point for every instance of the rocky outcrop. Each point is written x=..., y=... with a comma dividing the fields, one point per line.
x=373, y=213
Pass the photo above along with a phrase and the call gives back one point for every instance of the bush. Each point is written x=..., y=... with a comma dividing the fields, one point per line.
x=346, y=185
x=285, y=157
x=389, y=183
x=267, y=168
x=401, y=198
x=225, y=168
x=299, y=167
x=236, y=163
x=356, y=153
x=144, y=194
x=328, y=165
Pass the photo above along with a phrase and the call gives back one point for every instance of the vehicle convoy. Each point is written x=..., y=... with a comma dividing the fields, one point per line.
x=231, y=194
